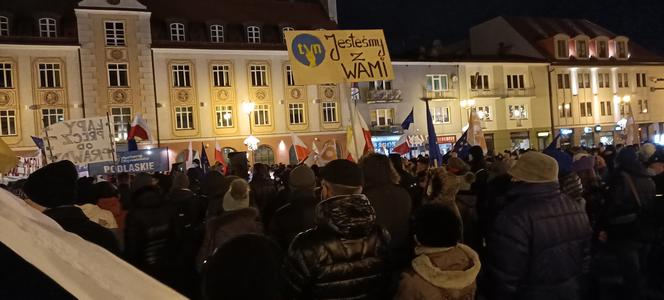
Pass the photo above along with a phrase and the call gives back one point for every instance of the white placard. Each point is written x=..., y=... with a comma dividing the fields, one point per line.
x=81, y=141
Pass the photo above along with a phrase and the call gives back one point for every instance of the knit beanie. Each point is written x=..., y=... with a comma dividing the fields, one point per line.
x=237, y=196
x=343, y=172
x=302, y=178
x=535, y=167
x=53, y=185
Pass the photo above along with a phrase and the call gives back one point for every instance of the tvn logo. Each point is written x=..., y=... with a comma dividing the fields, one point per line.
x=308, y=50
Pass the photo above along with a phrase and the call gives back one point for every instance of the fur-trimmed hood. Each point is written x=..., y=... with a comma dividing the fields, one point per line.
x=453, y=268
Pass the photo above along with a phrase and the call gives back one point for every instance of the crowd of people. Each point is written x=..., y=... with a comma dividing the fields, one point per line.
x=559, y=224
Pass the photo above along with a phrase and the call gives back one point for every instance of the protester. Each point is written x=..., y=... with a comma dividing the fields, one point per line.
x=407, y=181
x=108, y=198
x=390, y=202
x=185, y=202
x=442, y=188
x=54, y=187
x=570, y=183
x=443, y=268
x=345, y=255
x=238, y=218
x=263, y=189
x=466, y=199
x=246, y=267
x=298, y=214
x=88, y=203
x=539, y=246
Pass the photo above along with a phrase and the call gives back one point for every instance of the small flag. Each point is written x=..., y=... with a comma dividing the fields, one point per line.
x=434, y=151
x=139, y=128
x=218, y=153
x=205, y=163
x=402, y=146
x=409, y=120
x=301, y=149
x=38, y=141
x=462, y=147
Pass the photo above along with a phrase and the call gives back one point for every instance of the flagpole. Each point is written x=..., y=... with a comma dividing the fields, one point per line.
x=110, y=139
x=352, y=106
x=48, y=141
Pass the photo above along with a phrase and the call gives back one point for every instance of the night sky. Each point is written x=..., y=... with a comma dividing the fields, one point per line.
x=410, y=23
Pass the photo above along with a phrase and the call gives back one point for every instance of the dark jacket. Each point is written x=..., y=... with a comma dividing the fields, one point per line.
x=343, y=257
x=539, y=246
x=227, y=226
x=392, y=205
x=624, y=217
x=188, y=207
x=72, y=219
x=295, y=217
x=262, y=191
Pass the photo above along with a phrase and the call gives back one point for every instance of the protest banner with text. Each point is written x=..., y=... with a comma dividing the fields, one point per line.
x=81, y=141
x=146, y=160
x=335, y=56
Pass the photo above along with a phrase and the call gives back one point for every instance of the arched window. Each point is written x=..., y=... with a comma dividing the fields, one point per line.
x=217, y=33
x=264, y=155
x=253, y=34
x=4, y=26
x=283, y=35
x=177, y=32
x=47, y=27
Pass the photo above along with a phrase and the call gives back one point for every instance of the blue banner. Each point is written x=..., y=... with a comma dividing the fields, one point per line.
x=146, y=160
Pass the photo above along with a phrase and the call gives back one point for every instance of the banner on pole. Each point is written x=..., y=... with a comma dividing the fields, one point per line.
x=146, y=160
x=81, y=141
x=334, y=56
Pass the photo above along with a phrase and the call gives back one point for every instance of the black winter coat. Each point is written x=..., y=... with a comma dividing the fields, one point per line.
x=295, y=217
x=539, y=247
x=344, y=257
x=262, y=192
x=72, y=219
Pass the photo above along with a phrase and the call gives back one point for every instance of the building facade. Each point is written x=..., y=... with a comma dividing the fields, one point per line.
x=598, y=79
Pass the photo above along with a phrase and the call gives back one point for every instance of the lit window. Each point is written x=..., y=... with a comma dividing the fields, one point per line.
x=296, y=113
x=181, y=76
x=6, y=76
x=258, y=75
x=329, y=112
x=117, y=75
x=562, y=49
x=586, y=109
x=253, y=34
x=262, y=115
x=605, y=108
x=217, y=33
x=184, y=117
x=436, y=83
x=224, y=114
x=264, y=155
x=47, y=28
x=382, y=117
x=515, y=82
x=484, y=112
x=52, y=116
x=623, y=80
x=7, y=122
x=441, y=115
x=380, y=85
x=584, y=80
x=603, y=80
x=518, y=112
x=643, y=106
x=4, y=26
x=221, y=75
x=581, y=49
x=121, y=121
x=177, y=32
x=290, y=80
x=115, y=33
x=479, y=82
x=641, y=80
x=565, y=110
x=49, y=75
x=284, y=32
x=621, y=49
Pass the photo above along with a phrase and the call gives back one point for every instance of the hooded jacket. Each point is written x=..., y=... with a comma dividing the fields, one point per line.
x=343, y=257
x=441, y=273
x=227, y=226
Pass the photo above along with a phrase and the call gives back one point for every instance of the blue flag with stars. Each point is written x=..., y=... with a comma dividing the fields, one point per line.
x=462, y=147
x=409, y=120
x=205, y=162
x=434, y=151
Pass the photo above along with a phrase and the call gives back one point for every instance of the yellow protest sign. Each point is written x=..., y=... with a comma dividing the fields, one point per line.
x=334, y=56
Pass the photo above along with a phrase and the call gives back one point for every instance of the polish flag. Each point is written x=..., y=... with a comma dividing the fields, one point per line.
x=139, y=128
x=350, y=144
x=363, y=135
x=402, y=146
x=301, y=149
x=190, y=157
x=218, y=153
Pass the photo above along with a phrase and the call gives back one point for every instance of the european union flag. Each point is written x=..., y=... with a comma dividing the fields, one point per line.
x=462, y=147
x=434, y=151
x=205, y=163
x=409, y=120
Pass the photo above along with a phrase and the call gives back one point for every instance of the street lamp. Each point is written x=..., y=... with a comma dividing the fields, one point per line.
x=251, y=141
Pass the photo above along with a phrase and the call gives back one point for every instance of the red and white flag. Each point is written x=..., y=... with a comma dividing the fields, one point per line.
x=301, y=149
x=218, y=153
x=402, y=147
x=362, y=135
x=139, y=128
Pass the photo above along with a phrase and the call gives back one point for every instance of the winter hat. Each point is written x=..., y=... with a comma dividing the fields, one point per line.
x=343, y=172
x=646, y=151
x=584, y=163
x=535, y=167
x=457, y=166
x=237, y=196
x=437, y=225
x=53, y=185
x=563, y=159
x=302, y=178
x=477, y=153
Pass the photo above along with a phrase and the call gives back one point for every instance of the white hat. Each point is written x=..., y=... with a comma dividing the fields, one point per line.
x=237, y=196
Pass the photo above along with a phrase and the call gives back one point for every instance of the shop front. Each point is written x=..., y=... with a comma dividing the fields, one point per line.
x=385, y=144
x=446, y=143
x=520, y=140
x=587, y=137
x=542, y=138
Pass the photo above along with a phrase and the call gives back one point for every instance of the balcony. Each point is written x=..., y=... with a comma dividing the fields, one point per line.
x=385, y=129
x=529, y=92
x=449, y=94
x=384, y=96
x=488, y=93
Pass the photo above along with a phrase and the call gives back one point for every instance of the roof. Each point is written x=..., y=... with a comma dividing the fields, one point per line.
x=235, y=15
x=23, y=16
x=536, y=29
